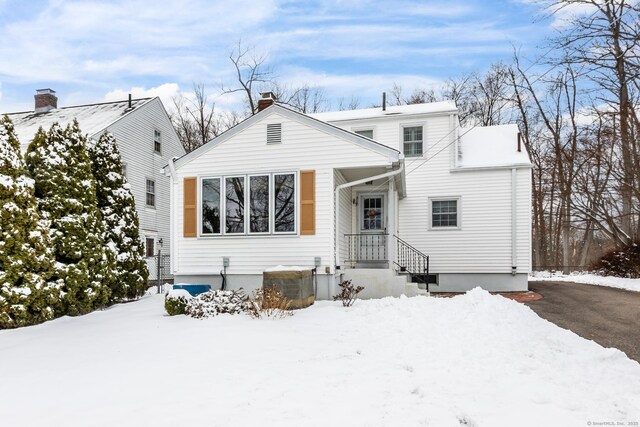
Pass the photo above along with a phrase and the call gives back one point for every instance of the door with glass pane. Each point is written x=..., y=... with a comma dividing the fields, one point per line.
x=372, y=245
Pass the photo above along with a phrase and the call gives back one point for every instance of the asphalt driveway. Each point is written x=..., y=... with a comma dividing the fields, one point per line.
x=609, y=316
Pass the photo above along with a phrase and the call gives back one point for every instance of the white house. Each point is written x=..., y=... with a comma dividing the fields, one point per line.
x=146, y=139
x=386, y=197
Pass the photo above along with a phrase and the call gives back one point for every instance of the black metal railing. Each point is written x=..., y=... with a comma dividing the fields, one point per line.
x=367, y=248
x=412, y=261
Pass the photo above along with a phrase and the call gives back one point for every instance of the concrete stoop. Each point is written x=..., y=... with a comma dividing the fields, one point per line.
x=380, y=283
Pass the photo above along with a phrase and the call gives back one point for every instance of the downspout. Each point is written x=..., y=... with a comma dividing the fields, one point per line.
x=514, y=224
x=173, y=236
x=337, y=203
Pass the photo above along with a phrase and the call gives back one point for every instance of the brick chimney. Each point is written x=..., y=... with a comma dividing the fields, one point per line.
x=46, y=100
x=267, y=99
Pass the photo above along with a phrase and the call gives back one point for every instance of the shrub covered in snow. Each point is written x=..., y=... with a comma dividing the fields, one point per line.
x=348, y=293
x=66, y=192
x=175, y=301
x=123, y=244
x=621, y=262
x=212, y=303
x=269, y=302
x=26, y=257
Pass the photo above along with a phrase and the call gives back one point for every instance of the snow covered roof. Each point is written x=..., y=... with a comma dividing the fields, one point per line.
x=370, y=113
x=93, y=118
x=491, y=146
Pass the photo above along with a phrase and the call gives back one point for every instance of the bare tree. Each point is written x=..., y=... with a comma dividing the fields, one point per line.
x=251, y=73
x=605, y=41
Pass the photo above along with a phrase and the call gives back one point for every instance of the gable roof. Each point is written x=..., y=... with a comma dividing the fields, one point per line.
x=392, y=154
x=93, y=118
x=390, y=111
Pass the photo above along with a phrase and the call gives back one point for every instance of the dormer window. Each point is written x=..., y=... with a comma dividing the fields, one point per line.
x=157, y=141
x=368, y=133
x=274, y=133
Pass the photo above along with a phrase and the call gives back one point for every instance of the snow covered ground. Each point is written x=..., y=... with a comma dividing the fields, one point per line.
x=474, y=360
x=589, y=279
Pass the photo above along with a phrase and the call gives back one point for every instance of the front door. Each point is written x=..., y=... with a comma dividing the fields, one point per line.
x=373, y=239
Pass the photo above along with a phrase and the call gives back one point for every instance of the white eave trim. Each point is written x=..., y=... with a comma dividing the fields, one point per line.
x=395, y=116
x=485, y=168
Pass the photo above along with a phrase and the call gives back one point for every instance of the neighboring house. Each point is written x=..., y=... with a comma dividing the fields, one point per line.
x=365, y=195
x=147, y=142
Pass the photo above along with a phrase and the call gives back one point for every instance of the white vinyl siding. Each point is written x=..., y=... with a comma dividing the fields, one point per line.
x=483, y=243
x=142, y=163
x=302, y=148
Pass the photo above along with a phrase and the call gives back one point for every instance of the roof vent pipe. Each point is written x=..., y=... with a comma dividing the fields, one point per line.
x=384, y=101
x=519, y=142
x=129, y=100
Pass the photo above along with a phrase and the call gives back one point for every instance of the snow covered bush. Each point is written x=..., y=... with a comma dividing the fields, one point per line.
x=64, y=185
x=212, y=303
x=348, y=293
x=123, y=244
x=26, y=256
x=621, y=262
x=175, y=301
x=268, y=302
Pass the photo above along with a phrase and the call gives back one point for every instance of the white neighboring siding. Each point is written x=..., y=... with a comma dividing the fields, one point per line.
x=134, y=135
x=483, y=243
x=303, y=148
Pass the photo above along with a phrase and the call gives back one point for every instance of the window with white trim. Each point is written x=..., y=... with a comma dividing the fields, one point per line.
x=263, y=203
x=412, y=141
x=150, y=246
x=157, y=141
x=151, y=193
x=234, y=204
x=284, y=193
x=444, y=213
x=259, y=203
x=368, y=133
x=210, y=208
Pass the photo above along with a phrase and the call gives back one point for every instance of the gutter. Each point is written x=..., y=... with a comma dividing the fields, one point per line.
x=337, y=204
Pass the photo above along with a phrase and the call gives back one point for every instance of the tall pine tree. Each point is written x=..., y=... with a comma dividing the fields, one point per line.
x=66, y=192
x=26, y=254
x=118, y=209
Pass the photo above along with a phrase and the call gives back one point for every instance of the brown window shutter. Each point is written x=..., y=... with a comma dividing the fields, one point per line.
x=190, y=207
x=307, y=202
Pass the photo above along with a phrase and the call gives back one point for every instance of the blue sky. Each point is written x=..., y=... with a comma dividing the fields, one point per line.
x=91, y=51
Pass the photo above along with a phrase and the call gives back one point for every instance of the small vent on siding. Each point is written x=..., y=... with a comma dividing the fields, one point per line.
x=274, y=133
